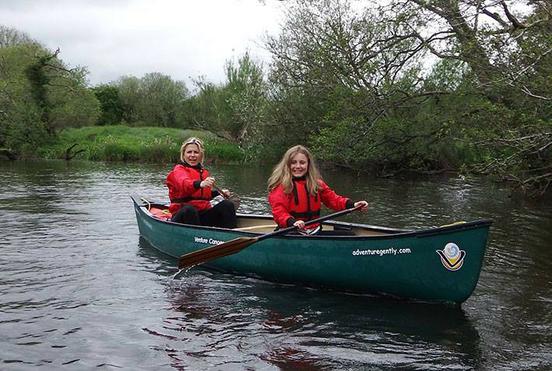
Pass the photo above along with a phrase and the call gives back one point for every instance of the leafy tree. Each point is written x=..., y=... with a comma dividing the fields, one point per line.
x=131, y=98
x=12, y=37
x=506, y=47
x=61, y=93
x=20, y=118
x=498, y=40
x=39, y=94
x=235, y=109
x=154, y=99
x=331, y=66
x=112, y=109
x=207, y=109
x=246, y=99
x=418, y=85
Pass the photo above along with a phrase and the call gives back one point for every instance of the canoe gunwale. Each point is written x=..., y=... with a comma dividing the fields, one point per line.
x=390, y=232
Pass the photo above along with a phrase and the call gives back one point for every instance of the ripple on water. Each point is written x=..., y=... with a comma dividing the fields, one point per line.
x=80, y=290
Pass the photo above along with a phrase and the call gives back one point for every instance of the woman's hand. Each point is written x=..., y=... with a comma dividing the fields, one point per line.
x=300, y=224
x=363, y=204
x=207, y=182
x=225, y=193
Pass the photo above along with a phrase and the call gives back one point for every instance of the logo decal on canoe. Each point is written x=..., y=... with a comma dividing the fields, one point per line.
x=207, y=241
x=452, y=257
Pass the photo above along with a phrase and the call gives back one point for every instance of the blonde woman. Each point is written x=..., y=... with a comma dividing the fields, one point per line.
x=297, y=191
x=191, y=191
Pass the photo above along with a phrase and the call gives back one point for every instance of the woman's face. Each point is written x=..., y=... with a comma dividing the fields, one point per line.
x=192, y=155
x=299, y=165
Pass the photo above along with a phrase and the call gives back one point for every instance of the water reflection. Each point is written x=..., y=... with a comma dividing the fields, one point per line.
x=79, y=290
x=234, y=318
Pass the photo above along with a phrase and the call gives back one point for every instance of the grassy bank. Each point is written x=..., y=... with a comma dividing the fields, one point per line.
x=140, y=144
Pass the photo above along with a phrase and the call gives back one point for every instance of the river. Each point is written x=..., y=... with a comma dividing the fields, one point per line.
x=80, y=289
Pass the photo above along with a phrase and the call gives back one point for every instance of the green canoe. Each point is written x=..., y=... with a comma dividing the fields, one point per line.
x=437, y=264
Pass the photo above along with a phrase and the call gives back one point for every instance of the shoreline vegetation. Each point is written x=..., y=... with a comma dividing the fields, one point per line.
x=134, y=144
x=392, y=89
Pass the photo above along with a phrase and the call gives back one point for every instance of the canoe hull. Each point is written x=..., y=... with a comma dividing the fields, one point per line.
x=440, y=264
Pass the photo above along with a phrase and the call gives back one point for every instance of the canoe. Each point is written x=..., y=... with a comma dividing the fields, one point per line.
x=438, y=264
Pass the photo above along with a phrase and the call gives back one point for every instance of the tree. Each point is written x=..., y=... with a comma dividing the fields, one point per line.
x=207, y=109
x=61, y=93
x=245, y=91
x=112, y=109
x=333, y=69
x=234, y=109
x=419, y=85
x=501, y=41
x=131, y=98
x=39, y=94
x=155, y=99
x=20, y=118
x=12, y=37
x=507, y=47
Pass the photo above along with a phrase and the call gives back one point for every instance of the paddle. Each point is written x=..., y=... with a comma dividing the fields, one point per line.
x=240, y=243
x=232, y=197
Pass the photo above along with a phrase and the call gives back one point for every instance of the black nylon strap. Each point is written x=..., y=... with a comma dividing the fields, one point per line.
x=186, y=199
x=308, y=214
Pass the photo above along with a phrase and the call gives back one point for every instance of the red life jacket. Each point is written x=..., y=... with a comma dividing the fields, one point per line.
x=300, y=205
x=183, y=183
x=304, y=206
x=296, y=205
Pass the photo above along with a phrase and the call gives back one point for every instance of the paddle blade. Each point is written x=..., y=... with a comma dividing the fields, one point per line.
x=215, y=252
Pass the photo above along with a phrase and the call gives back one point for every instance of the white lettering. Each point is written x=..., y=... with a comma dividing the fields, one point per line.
x=210, y=241
x=381, y=252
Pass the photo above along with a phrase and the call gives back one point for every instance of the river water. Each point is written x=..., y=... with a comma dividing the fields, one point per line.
x=80, y=289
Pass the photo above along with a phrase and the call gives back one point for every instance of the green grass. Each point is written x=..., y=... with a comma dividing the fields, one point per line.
x=136, y=144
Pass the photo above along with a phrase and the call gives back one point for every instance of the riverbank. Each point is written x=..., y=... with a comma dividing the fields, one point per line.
x=134, y=144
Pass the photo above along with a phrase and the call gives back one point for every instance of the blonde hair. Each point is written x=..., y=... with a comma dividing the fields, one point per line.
x=282, y=171
x=198, y=143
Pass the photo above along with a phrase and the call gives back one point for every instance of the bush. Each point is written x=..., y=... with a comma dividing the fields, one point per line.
x=144, y=144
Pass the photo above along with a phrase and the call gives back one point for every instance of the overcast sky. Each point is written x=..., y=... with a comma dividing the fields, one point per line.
x=181, y=38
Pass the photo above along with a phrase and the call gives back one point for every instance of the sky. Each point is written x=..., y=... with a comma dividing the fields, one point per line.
x=184, y=39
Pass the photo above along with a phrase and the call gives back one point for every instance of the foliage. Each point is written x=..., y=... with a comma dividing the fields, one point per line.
x=153, y=100
x=20, y=124
x=235, y=109
x=330, y=66
x=60, y=93
x=12, y=37
x=245, y=91
x=207, y=109
x=144, y=144
x=39, y=94
x=112, y=109
x=402, y=85
x=356, y=85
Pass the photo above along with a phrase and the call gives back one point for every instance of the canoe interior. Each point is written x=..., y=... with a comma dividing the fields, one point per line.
x=261, y=224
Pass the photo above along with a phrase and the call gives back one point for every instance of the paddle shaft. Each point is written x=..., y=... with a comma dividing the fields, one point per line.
x=240, y=243
x=220, y=192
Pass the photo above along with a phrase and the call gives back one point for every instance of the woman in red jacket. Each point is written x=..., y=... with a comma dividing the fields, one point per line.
x=190, y=191
x=296, y=191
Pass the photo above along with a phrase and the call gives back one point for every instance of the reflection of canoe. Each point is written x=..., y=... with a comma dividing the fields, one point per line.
x=437, y=264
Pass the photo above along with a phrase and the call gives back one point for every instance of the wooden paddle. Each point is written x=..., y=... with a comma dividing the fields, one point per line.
x=240, y=243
